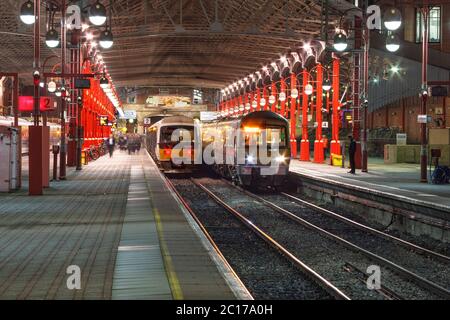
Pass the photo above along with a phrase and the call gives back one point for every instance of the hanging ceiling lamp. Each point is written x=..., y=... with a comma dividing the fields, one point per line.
x=97, y=14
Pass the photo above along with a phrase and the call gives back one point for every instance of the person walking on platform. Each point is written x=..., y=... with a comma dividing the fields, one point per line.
x=351, y=154
x=111, y=144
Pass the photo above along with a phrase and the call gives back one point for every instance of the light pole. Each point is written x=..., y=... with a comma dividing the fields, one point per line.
x=423, y=110
x=392, y=21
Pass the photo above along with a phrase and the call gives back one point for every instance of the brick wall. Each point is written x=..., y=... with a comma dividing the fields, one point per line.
x=403, y=115
x=409, y=24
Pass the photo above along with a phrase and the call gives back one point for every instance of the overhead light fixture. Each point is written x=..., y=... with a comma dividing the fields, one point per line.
x=392, y=43
x=308, y=89
x=52, y=38
x=395, y=69
x=272, y=99
x=340, y=42
x=247, y=106
x=27, y=13
x=262, y=102
x=392, y=19
x=51, y=86
x=326, y=85
x=106, y=39
x=104, y=82
x=97, y=14
x=58, y=92
x=282, y=96
x=294, y=93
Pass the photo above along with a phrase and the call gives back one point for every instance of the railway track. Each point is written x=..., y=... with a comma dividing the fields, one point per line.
x=267, y=269
x=329, y=253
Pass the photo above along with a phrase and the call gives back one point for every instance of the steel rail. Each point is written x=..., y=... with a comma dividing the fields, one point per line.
x=383, y=290
x=420, y=281
x=360, y=226
x=310, y=273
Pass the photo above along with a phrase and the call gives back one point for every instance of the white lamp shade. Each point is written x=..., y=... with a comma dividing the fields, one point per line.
x=308, y=89
x=272, y=99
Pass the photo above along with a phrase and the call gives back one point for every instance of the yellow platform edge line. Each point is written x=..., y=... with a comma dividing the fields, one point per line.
x=175, y=287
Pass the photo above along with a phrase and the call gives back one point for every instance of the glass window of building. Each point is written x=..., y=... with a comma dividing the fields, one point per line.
x=434, y=25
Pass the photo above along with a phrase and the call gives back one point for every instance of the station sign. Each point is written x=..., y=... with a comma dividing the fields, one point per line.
x=423, y=118
x=26, y=104
x=401, y=139
x=147, y=121
x=130, y=114
x=208, y=115
x=103, y=121
x=325, y=124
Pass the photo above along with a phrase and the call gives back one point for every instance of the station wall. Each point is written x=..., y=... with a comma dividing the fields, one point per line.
x=403, y=115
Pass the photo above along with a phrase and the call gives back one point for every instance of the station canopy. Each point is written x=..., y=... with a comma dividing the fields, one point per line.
x=192, y=43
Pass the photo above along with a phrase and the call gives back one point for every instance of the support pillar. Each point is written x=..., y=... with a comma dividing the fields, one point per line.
x=293, y=118
x=283, y=103
x=304, y=145
x=423, y=107
x=318, y=143
x=335, y=146
x=273, y=92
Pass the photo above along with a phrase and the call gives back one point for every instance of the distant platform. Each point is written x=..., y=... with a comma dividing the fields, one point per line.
x=121, y=225
x=400, y=180
x=387, y=193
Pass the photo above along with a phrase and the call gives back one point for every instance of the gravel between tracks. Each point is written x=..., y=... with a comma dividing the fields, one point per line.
x=430, y=269
x=265, y=273
x=322, y=254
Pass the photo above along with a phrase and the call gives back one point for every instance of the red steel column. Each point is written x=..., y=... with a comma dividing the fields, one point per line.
x=318, y=143
x=258, y=99
x=265, y=98
x=335, y=145
x=304, y=145
x=293, y=118
x=283, y=103
x=273, y=92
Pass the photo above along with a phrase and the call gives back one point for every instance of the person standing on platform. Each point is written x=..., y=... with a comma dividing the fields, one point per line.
x=325, y=146
x=351, y=154
x=111, y=144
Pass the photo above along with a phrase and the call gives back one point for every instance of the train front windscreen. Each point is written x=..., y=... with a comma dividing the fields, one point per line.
x=174, y=134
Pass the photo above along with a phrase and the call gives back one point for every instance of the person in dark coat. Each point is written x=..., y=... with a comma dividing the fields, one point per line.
x=111, y=142
x=351, y=154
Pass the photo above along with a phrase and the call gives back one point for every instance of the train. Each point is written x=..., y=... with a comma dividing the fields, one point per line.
x=171, y=143
x=55, y=131
x=255, y=149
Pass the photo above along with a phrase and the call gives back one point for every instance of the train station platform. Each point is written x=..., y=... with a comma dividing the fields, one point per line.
x=400, y=180
x=121, y=226
x=390, y=194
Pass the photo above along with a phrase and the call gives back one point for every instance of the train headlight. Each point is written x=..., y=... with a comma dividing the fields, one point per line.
x=250, y=159
x=280, y=159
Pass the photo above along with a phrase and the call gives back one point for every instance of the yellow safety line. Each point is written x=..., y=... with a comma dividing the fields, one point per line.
x=177, y=293
x=174, y=284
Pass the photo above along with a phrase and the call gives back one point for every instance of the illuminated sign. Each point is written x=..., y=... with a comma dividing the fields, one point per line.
x=104, y=121
x=26, y=104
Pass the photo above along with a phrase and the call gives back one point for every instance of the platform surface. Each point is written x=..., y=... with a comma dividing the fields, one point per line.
x=400, y=179
x=117, y=221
